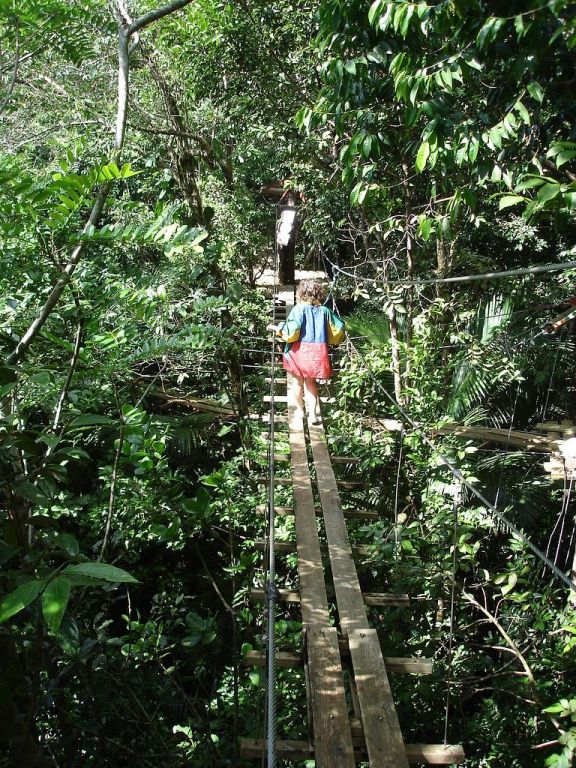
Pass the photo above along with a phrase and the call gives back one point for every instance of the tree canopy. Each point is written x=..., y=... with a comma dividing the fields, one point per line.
x=427, y=141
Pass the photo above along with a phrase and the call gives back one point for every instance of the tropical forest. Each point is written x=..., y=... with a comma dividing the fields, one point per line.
x=194, y=572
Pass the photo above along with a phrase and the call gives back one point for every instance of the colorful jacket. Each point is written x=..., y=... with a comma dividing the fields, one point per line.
x=307, y=332
x=312, y=324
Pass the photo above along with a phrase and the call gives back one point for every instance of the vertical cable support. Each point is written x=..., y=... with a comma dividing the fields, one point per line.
x=455, y=502
x=271, y=589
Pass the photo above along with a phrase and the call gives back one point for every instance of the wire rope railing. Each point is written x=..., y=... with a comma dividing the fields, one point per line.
x=458, y=475
x=271, y=588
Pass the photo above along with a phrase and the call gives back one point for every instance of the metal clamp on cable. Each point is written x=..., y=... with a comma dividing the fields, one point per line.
x=272, y=593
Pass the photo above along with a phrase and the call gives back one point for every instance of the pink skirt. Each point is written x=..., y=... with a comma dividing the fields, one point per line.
x=309, y=359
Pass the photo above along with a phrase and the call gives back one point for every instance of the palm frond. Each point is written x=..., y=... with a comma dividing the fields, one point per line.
x=492, y=316
x=374, y=328
x=186, y=432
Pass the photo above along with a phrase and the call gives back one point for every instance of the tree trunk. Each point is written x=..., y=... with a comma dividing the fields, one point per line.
x=396, y=360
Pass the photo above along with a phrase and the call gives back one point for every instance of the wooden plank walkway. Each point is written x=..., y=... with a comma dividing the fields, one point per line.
x=381, y=727
x=291, y=545
x=347, y=485
x=356, y=514
x=332, y=734
x=345, y=667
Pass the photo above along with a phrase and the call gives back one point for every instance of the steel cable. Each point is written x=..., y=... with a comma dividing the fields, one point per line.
x=460, y=477
x=463, y=278
x=455, y=471
x=271, y=589
x=452, y=609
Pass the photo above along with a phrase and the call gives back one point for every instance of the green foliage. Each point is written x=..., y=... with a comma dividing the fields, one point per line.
x=55, y=589
x=19, y=599
x=428, y=140
x=54, y=602
x=564, y=709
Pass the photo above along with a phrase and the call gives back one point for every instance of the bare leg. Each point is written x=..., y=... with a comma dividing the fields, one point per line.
x=312, y=402
x=297, y=400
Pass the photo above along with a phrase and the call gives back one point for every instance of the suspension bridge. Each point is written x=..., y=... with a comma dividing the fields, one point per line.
x=350, y=709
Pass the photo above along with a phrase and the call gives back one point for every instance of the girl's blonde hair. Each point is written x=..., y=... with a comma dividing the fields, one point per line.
x=312, y=291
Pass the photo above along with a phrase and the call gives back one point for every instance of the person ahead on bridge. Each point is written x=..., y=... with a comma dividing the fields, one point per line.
x=308, y=330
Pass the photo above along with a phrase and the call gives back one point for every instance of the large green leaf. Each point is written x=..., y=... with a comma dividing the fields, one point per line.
x=548, y=192
x=7, y=552
x=67, y=542
x=54, y=602
x=535, y=90
x=101, y=571
x=29, y=492
x=20, y=598
x=507, y=200
x=422, y=156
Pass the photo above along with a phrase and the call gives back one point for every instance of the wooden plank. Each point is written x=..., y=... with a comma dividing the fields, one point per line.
x=279, y=418
x=282, y=379
x=277, y=480
x=397, y=665
x=279, y=546
x=333, y=459
x=262, y=509
x=390, y=425
x=512, y=439
x=407, y=665
x=355, y=514
x=382, y=733
x=295, y=750
x=285, y=659
x=435, y=754
x=332, y=735
x=370, y=598
x=345, y=460
x=385, y=598
x=347, y=485
x=292, y=546
x=565, y=427
x=310, y=570
x=347, y=587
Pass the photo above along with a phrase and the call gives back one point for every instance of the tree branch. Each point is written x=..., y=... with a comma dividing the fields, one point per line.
x=223, y=600
x=71, y=370
x=148, y=18
x=513, y=647
x=551, y=167
x=34, y=328
x=112, y=497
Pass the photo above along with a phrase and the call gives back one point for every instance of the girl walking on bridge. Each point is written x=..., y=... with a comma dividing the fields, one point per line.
x=308, y=331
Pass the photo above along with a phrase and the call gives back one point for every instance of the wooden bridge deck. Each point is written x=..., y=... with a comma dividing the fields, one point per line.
x=348, y=656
